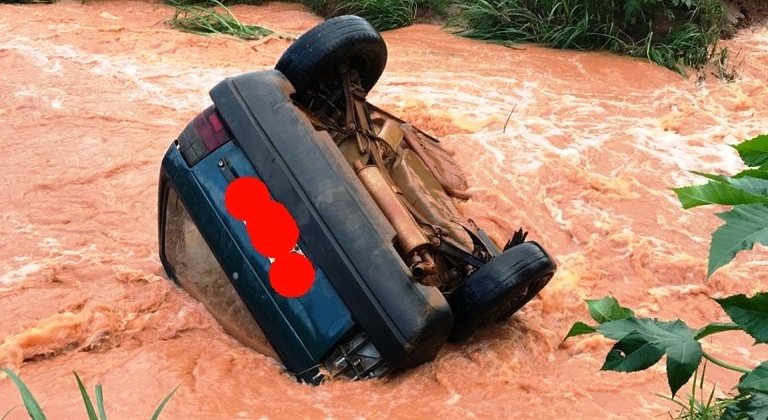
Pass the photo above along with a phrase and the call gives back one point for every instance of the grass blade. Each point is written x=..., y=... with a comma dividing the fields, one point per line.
x=9, y=411
x=100, y=402
x=86, y=399
x=160, y=407
x=33, y=408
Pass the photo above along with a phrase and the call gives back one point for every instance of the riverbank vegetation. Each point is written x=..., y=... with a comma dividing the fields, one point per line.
x=681, y=35
x=678, y=34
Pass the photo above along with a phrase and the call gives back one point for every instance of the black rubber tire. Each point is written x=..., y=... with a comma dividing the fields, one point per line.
x=499, y=288
x=315, y=57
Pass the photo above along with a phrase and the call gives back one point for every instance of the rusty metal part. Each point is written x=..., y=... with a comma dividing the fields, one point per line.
x=438, y=160
x=424, y=264
x=357, y=112
x=391, y=133
x=410, y=238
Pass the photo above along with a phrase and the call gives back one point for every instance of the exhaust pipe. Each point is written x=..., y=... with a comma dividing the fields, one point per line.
x=410, y=238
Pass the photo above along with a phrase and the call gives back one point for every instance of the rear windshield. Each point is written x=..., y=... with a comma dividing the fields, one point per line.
x=199, y=273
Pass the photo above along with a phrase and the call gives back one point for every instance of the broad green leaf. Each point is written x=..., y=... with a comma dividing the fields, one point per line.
x=683, y=359
x=760, y=173
x=757, y=380
x=753, y=185
x=744, y=226
x=723, y=179
x=607, y=309
x=616, y=330
x=749, y=313
x=86, y=399
x=674, y=338
x=754, y=152
x=579, y=328
x=33, y=408
x=748, y=406
x=715, y=192
x=631, y=354
x=714, y=328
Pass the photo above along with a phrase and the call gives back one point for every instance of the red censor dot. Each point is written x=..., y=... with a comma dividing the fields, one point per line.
x=273, y=233
x=243, y=197
x=291, y=275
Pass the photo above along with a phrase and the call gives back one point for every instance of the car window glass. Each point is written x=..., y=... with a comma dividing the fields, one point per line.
x=199, y=273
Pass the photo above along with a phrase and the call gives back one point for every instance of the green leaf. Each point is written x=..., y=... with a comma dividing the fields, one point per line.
x=160, y=407
x=33, y=408
x=760, y=173
x=715, y=192
x=86, y=399
x=744, y=226
x=683, y=359
x=579, y=328
x=757, y=380
x=723, y=179
x=748, y=406
x=753, y=185
x=673, y=338
x=754, y=152
x=631, y=354
x=749, y=313
x=607, y=309
x=714, y=328
x=100, y=402
x=616, y=330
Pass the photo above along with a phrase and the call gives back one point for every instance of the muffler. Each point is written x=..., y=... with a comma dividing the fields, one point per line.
x=410, y=238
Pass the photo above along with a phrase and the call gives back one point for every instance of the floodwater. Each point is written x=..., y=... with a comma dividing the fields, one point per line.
x=580, y=148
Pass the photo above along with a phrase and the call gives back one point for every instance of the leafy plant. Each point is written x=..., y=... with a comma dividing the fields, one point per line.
x=701, y=406
x=204, y=19
x=36, y=413
x=747, y=191
x=640, y=343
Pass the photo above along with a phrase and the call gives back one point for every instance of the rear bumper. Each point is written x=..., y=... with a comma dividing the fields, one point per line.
x=342, y=231
x=303, y=331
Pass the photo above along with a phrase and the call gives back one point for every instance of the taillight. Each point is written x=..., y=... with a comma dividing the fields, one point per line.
x=204, y=134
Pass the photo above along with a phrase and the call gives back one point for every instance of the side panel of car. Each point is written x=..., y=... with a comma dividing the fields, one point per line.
x=302, y=330
x=342, y=227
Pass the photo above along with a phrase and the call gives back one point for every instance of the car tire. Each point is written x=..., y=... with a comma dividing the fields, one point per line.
x=314, y=58
x=499, y=288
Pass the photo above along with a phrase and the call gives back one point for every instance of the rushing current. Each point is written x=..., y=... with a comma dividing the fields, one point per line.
x=579, y=148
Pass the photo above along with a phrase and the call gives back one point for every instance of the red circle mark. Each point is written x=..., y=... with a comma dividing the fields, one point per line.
x=291, y=275
x=272, y=230
x=244, y=196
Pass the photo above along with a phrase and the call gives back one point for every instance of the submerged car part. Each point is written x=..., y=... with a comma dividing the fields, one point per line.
x=398, y=269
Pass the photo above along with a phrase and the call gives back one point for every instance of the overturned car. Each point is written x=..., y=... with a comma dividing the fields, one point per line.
x=398, y=269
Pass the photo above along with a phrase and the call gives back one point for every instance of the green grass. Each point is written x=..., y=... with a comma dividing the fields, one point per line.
x=700, y=405
x=212, y=17
x=673, y=33
x=677, y=34
x=35, y=412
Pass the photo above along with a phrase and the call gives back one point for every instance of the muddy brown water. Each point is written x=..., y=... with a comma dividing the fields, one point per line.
x=92, y=95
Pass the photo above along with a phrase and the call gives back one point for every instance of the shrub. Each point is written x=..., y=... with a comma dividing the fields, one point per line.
x=641, y=342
